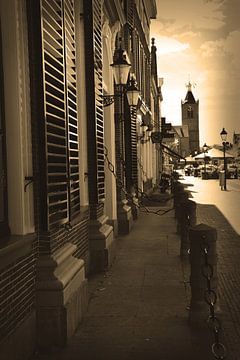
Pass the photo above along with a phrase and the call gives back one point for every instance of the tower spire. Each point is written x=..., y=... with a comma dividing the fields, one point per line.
x=189, y=96
x=189, y=86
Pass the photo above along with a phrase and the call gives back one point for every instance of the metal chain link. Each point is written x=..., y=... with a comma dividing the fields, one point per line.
x=112, y=170
x=141, y=167
x=120, y=185
x=210, y=296
x=123, y=163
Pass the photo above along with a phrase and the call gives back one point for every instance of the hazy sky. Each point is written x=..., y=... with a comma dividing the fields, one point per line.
x=199, y=40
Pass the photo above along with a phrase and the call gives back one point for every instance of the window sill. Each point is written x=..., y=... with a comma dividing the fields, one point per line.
x=84, y=214
x=14, y=247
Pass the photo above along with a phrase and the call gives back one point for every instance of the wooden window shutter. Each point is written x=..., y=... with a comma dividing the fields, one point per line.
x=134, y=146
x=71, y=106
x=93, y=53
x=4, y=229
x=129, y=4
x=55, y=111
x=58, y=136
x=131, y=147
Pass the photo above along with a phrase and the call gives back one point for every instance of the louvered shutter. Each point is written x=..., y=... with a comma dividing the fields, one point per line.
x=131, y=147
x=55, y=110
x=4, y=230
x=71, y=101
x=55, y=107
x=130, y=12
x=93, y=52
x=134, y=146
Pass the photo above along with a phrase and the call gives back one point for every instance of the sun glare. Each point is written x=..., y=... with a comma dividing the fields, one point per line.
x=167, y=45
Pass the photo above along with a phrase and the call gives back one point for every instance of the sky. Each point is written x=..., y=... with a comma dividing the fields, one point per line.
x=199, y=41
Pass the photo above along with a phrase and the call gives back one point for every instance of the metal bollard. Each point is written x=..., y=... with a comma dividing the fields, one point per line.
x=178, y=187
x=202, y=241
x=186, y=220
x=175, y=185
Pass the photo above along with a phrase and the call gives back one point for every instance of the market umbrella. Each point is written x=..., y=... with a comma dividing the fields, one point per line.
x=213, y=154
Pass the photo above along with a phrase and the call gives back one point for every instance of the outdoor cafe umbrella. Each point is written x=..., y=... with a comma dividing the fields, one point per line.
x=213, y=154
x=189, y=159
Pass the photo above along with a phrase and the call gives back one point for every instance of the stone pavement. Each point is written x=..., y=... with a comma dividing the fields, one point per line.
x=138, y=309
x=228, y=250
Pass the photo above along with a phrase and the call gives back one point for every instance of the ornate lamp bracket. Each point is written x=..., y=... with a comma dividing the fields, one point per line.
x=109, y=99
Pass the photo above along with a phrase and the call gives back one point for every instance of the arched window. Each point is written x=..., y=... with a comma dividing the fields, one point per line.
x=190, y=112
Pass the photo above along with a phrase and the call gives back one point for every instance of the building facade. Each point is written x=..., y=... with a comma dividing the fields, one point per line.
x=72, y=169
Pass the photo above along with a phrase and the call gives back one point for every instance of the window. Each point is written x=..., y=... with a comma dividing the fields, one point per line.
x=61, y=109
x=190, y=112
x=3, y=168
x=57, y=136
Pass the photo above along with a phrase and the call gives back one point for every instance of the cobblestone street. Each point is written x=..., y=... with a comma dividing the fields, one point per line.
x=228, y=249
x=220, y=209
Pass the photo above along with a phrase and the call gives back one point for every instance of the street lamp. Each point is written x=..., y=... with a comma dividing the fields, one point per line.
x=223, y=135
x=132, y=92
x=205, y=149
x=121, y=68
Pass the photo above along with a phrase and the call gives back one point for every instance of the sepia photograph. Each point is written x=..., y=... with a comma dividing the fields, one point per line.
x=119, y=179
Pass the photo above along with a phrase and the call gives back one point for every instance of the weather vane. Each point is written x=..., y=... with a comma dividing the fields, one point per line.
x=190, y=84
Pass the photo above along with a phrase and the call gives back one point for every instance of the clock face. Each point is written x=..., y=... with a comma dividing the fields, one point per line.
x=190, y=108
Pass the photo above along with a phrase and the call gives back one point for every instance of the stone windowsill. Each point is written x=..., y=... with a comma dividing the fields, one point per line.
x=12, y=247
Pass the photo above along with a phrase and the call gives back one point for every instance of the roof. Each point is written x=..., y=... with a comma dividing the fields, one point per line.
x=189, y=98
x=151, y=8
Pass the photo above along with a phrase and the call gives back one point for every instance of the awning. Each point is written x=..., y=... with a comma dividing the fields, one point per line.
x=171, y=152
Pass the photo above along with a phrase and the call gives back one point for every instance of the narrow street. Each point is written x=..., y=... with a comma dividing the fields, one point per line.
x=138, y=309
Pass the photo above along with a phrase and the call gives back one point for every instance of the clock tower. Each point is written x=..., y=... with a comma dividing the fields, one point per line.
x=190, y=120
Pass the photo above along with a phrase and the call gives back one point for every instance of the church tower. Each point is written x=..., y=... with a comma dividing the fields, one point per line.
x=190, y=120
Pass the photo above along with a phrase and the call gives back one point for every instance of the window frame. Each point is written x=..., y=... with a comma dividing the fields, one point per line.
x=4, y=227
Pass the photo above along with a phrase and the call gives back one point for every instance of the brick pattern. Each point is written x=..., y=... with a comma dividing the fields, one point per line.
x=17, y=292
x=78, y=235
x=96, y=210
x=228, y=250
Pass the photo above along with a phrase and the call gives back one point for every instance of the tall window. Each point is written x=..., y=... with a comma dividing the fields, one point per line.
x=56, y=103
x=60, y=109
x=3, y=167
x=190, y=112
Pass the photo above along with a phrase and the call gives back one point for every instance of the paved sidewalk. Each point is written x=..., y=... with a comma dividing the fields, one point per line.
x=138, y=310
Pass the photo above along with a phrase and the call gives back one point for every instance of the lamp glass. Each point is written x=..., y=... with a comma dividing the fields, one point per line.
x=132, y=96
x=223, y=134
x=120, y=73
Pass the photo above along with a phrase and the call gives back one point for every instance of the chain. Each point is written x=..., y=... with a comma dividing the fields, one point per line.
x=120, y=185
x=141, y=167
x=112, y=170
x=123, y=163
x=210, y=296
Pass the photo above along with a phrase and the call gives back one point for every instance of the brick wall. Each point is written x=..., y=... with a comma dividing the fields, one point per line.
x=17, y=292
x=78, y=234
